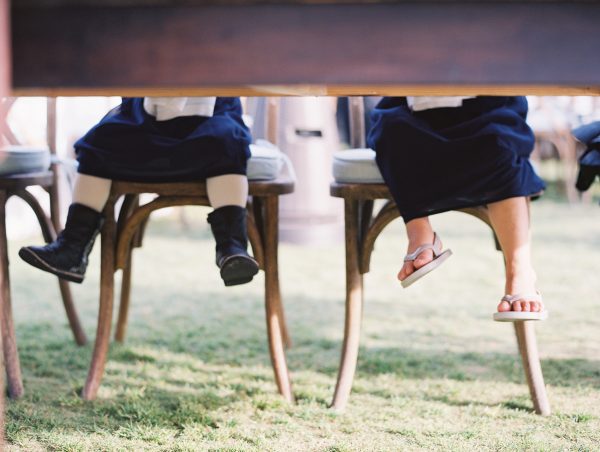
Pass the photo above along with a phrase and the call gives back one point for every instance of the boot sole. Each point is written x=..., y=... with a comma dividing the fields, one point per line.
x=238, y=270
x=33, y=259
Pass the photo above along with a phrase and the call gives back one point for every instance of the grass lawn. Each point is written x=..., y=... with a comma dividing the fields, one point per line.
x=435, y=373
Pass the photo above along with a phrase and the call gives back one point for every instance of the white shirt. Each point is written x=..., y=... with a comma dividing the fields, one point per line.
x=425, y=103
x=164, y=108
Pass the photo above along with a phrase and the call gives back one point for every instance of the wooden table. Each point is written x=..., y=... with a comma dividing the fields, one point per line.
x=291, y=47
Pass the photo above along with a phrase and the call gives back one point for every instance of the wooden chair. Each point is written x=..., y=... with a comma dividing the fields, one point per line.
x=119, y=236
x=566, y=148
x=17, y=185
x=362, y=227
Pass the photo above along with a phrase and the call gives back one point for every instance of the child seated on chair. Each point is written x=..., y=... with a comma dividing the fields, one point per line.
x=159, y=140
x=444, y=153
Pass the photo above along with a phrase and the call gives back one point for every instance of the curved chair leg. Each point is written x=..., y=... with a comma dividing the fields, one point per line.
x=107, y=269
x=287, y=340
x=531, y=364
x=49, y=234
x=72, y=317
x=354, y=301
x=123, y=317
x=9, y=341
x=273, y=300
x=121, y=329
x=258, y=217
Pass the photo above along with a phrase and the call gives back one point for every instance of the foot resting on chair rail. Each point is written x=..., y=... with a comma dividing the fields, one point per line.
x=522, y=300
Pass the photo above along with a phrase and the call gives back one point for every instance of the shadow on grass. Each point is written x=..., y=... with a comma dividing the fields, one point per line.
x=217, y=347
x=471, y=366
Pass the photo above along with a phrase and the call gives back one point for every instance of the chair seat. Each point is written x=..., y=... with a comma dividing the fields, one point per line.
x=23, y=159
x=356, y=166
x=265, y=162
x=20, y=181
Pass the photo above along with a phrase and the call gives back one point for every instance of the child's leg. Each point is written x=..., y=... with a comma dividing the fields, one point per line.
x=227, y=190
x=91, y=191
x=67, y=256
x=510, y=220
x=228, y=195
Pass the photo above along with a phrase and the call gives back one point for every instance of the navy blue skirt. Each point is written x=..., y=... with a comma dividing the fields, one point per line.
x=129, y=144
x=448, y=158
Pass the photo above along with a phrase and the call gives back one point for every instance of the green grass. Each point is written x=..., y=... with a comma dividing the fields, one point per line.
x=435, y=373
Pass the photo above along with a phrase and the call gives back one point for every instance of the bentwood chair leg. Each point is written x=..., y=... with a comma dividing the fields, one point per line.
x=354, y=300
x=531, y=364
x=121, y=329
x=258, y=216
x=107, y=269
x=67, y=298
x=273, y=300
x=9, y=341
x=287, y=340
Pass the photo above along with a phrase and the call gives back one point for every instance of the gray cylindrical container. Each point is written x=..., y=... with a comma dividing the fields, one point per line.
x=307, y=133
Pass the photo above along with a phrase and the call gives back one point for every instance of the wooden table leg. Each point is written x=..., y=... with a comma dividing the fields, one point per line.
x=273, y=299
x=107, y=273
x=354, y=301
x=531, y=364
x=9, y=341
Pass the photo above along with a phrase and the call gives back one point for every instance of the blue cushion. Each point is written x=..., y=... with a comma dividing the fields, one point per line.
x=23, y=159
x=356, y=166
x=266, y=161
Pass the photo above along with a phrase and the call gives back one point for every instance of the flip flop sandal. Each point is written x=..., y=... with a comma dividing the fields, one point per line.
x=439, y=257
x=518, y=316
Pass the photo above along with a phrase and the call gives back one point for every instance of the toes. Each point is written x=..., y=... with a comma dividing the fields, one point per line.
x=406, y=271
x=504, y=306
x=521, y=306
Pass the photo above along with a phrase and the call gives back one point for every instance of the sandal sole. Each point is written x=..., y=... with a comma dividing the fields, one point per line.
x=427, y=268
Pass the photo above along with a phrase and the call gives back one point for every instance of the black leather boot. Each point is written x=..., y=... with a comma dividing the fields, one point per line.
x=67, y=256
x=228, y=225
x=589, y=169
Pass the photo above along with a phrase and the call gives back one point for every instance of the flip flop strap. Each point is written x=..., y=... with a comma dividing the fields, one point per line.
x=522, y=297
x=436, y=247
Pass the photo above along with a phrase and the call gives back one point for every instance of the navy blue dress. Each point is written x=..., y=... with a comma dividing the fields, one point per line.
x=131, y=145
x=448, y=158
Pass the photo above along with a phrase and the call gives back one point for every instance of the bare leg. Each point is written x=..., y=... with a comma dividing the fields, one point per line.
x=227, y=190
x=510, y=220
x=419, y=233
x=91, y=191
